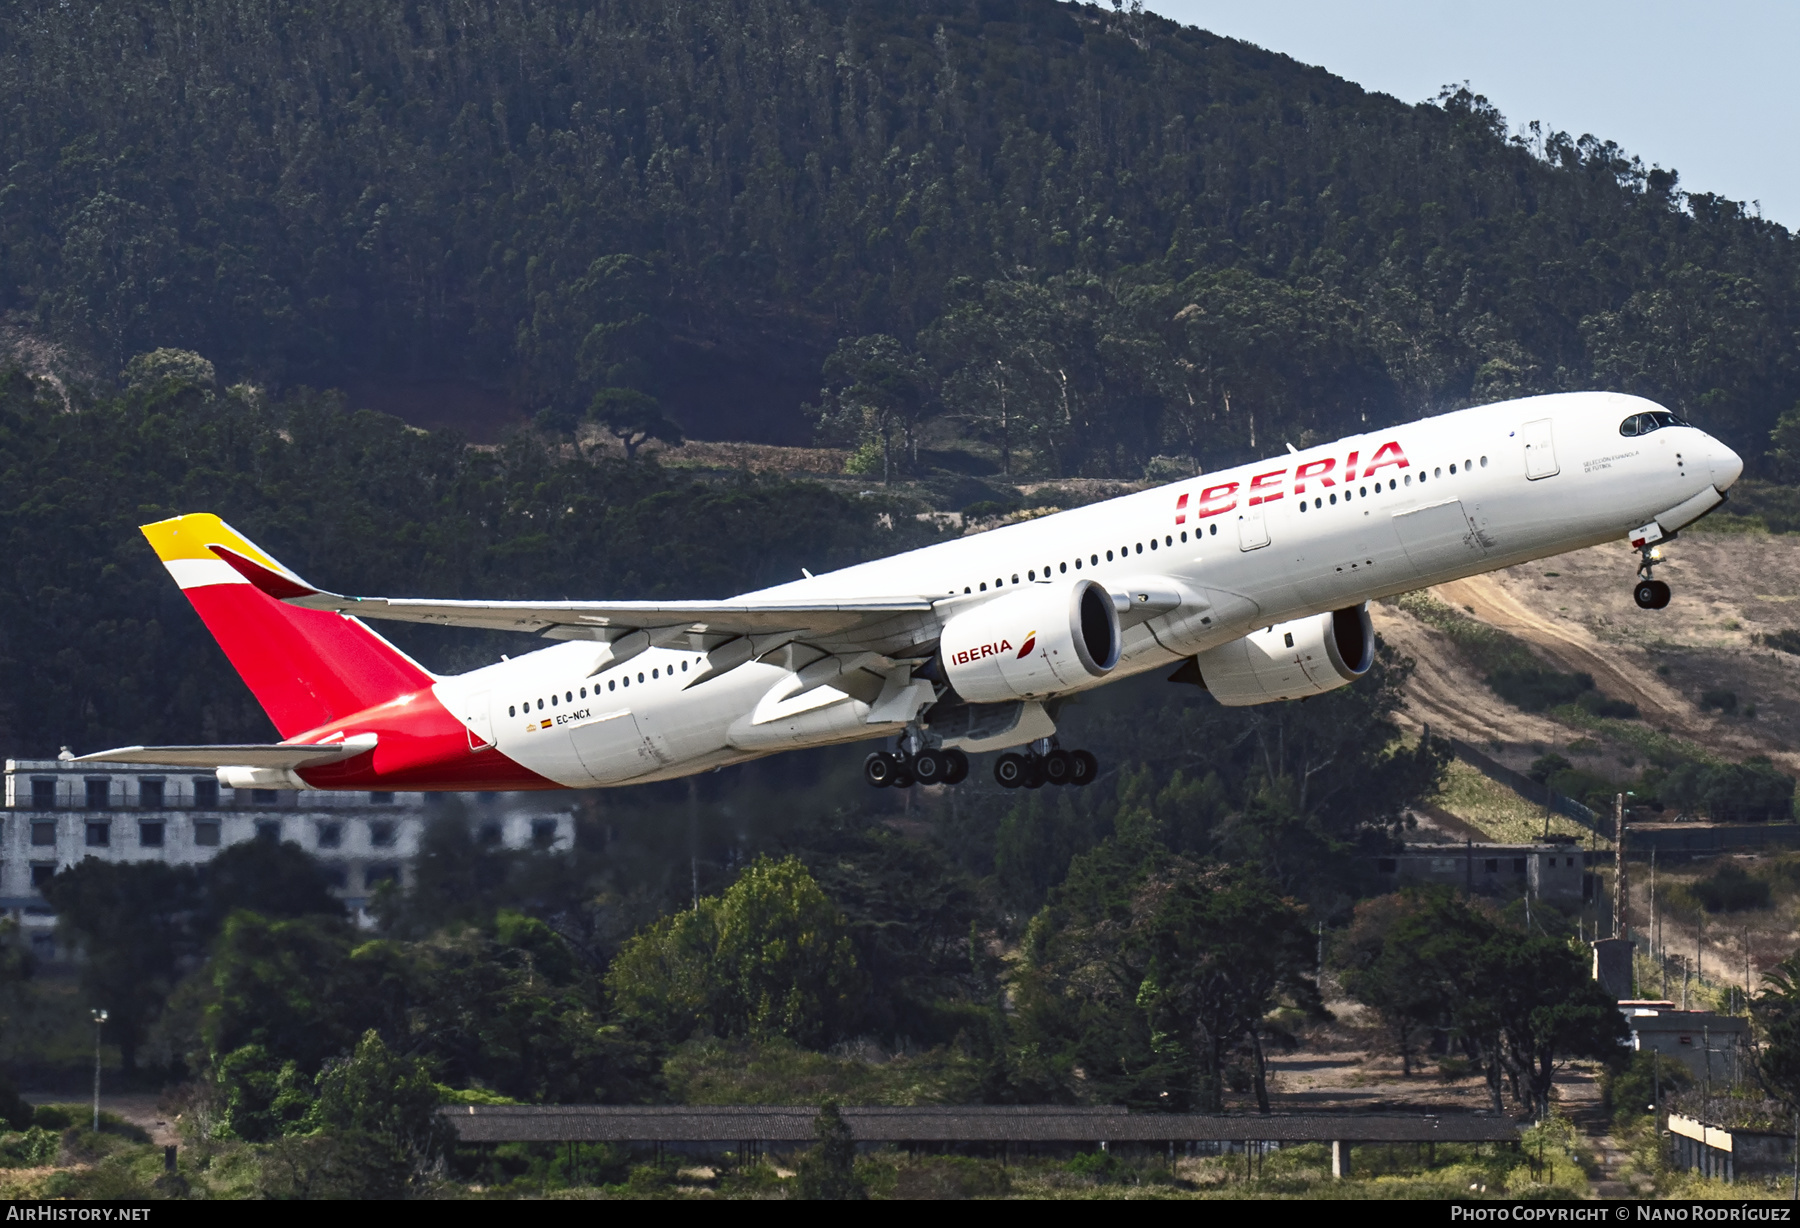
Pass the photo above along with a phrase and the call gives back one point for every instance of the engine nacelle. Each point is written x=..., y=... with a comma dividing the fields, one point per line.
x=1290, y=660
x=1034, y=642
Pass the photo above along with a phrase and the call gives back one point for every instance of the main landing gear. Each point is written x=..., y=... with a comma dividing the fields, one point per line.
x=1650, y=593
x=1037, y=768
x=901, y=770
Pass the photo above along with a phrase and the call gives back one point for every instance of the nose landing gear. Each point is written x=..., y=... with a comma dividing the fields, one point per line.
x=1650, y=593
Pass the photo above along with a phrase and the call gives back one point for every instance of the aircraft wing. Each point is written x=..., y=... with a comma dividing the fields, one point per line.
x=261, y=755
x=600, y=620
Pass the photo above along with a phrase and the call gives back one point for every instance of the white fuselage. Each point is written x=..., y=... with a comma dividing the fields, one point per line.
x=1260, y=544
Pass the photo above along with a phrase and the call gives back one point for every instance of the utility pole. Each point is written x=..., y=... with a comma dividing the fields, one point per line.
x=1620, y=928
x=1655, y=924
x=99, y=1023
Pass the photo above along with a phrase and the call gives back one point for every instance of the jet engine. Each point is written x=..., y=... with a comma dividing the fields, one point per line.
x=1033, y=642
x=1290, y=660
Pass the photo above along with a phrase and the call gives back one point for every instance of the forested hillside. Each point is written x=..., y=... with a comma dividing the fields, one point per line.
x=1074, y=236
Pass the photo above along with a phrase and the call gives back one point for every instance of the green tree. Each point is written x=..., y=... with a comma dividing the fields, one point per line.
x=828, y=1171
x=633, y=418
x=1381, y=959
x=130, y=923
x=771, y=956
x=875, y=390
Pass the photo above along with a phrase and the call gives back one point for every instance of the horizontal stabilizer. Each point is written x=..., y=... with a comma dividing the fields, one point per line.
x=261, y=755
x=601, y=620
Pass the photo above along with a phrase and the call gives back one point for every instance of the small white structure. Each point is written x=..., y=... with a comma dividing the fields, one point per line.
x=1706, y=1043
x=56, y=814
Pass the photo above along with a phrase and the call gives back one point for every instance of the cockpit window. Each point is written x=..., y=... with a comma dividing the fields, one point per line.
x=1643, y=424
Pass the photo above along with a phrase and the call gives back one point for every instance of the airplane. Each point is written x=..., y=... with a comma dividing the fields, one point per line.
x=1254, y=582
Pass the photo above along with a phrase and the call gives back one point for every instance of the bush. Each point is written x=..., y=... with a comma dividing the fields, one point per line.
x=1596, y=704
x=947, y=1177
x=1725, y=701
x=1534, y=688
x=1785, y=640
x=29, y=1148
x=52, y=1117
x=15, y=1114
x=1545, y=766
x=1754, y=791
x=1730, y=889
x=1628, y=1091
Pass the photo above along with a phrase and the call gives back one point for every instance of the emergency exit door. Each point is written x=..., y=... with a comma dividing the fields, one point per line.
x=1540, y=450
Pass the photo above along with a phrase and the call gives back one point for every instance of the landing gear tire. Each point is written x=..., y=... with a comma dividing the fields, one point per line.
x=929, y=768
x=882, y=769
x=1651, y=594
x=1034, y=772
x=956, y=766
x=1059, y=767
x=1009, y=770
x=1084, y=767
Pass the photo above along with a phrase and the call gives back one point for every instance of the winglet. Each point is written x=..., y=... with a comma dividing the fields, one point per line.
x=281, y=585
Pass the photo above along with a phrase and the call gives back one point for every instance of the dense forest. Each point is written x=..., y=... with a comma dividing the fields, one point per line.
x=1006, y=239
x=1073, y=236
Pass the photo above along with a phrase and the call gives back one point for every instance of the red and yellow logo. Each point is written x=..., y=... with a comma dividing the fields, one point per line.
x=1028, y=645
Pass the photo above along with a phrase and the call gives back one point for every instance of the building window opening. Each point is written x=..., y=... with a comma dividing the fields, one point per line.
x=43, y=795
x=374, y=876
x=150, y=835
x=150, y=795
x=381, y=799
x=206, y=834
x=381, y=834
x=543, y=833
x=269, y=831
x=99, y=794
x=262, y=797
x=41, y=874
x=1492, y=865
x=43, y=835
x=336, y=877
x=488, y=836
x=331, y=835
x=99, y=835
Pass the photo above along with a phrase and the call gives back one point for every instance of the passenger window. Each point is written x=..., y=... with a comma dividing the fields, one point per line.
x=1468, y=465
x=1152, y=544
x=640, y=676
x=1064, y=568
x=1303, y=505
x=1030, y=575
x=1483, y=465
x=1439, y=472
x=553, y=701
x=611, y=683
x=1184, y=535
x=627, y=679
x=1077, y=564
x=1095, y=559
x=1109, y=556
x=1167, y=540
x=1408, y=479
x=512, y=709
x=1015, y=577
x=540, y=705
x=569, y=697
x=1334, y=498
x=984, y=586
x=1214, y=530
x=1452, y=470
x=684, y=667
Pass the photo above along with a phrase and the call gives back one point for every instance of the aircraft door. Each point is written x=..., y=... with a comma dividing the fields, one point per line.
x=478, y=716
x=1540, y=450
x=611, y=747
x=1253, y=528
x=1439, y=539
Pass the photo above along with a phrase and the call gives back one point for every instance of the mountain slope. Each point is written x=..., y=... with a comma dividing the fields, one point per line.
x=1092, y=236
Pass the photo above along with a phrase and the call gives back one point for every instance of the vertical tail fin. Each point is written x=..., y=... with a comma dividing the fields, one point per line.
x=305, y=667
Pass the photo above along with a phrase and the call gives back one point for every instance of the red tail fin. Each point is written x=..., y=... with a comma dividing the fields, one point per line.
x=305, y=667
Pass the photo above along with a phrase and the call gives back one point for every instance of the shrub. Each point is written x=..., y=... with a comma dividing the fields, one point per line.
x=1533, y=688
x=29, y=1148
x=947, y=1177
x=1754, y=791
x=1730, y=889
x=1725, y=701
x=1786, y=640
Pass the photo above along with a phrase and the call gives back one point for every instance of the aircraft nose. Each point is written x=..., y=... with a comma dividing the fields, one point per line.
x=1727, y=466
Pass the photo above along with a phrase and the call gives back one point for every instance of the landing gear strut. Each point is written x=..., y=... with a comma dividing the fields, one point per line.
x=1037, y=768
x=901, y=769
x=1650, y=593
